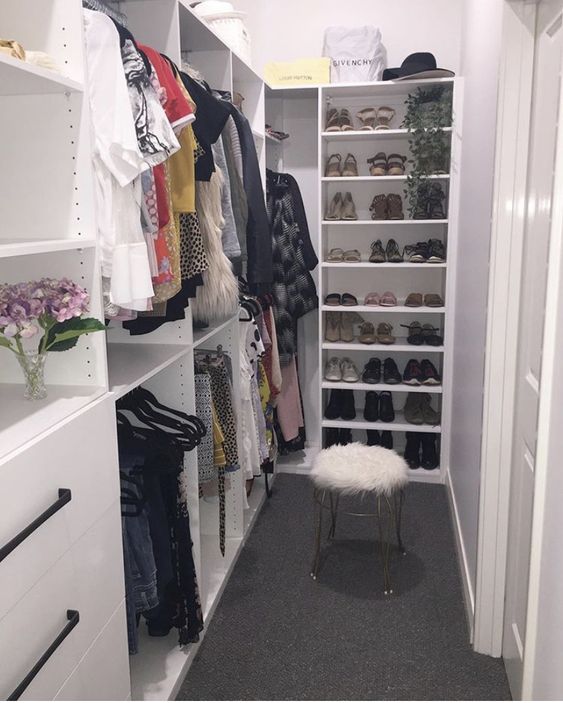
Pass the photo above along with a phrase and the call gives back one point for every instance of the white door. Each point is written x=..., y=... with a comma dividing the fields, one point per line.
x=543, y=135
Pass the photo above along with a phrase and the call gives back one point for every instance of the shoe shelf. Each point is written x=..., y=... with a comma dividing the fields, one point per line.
x=379, y=179
x=361, y=135
x=399, y=424
x=384, y=222
x=382, y=309
x=393, y=387
x=400, y=345
x=374, y=267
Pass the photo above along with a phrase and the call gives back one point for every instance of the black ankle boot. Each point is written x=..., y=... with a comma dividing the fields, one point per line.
x=348, y=411
x=334, y=408
x=412, y=450
x=371, y=408
x=386, y=410
x=345, y=436
x=387, y=439
x=430, y=459
x=331, y=437
x=374, y=440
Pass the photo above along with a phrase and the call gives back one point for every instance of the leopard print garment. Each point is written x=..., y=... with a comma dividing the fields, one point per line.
x=193, y=259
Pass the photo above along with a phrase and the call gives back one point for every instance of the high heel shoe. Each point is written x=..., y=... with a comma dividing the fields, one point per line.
x=348, y=211
x=334, y=210
x=350, y=168
x=333, y=168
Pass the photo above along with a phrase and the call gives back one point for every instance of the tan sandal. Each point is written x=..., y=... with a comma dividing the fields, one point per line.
x=367, y=117
x=384, y=116
x=335, y=255
x=345, y=121
x=348, y=208
x=347, y=322
x=396, y=165
x=334, y=210
x=378, y=164
x=352, y=256
x=384, y=330
x=332, y=326
x=367, y=334
x=332, y=120
x=350, y=168
x=333, y=167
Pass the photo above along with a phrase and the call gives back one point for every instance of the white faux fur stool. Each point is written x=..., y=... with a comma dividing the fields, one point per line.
x=353, y=469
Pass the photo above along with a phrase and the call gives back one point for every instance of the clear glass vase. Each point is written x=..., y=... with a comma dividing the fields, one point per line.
x=33, y=367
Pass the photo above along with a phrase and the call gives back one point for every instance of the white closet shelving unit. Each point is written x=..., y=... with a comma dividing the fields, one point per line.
x=300, y=111
x=74, y=560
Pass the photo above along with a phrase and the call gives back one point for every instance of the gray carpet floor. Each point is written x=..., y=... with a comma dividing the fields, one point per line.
x=278, y=635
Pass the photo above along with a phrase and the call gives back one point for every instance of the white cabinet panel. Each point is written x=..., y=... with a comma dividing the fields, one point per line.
x=81, y=456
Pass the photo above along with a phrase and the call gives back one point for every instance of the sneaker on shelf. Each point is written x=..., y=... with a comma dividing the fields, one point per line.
x=391, y=374
x=413, y=375
x=416, y=253
x=372, y=371
x=386, y=409
x=430, y=375
x=349, y=371
x=436, y=252
x=377, y=255
x=333, y=370
x=393, y=253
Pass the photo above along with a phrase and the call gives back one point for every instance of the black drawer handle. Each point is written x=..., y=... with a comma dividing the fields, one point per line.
x=64, y=498
x=73, y=617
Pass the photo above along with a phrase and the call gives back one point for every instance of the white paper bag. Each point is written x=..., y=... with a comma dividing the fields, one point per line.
x=356, y=54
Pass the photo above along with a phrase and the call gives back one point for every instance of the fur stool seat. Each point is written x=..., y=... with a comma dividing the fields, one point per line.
x=354, y=469
x=357, y=468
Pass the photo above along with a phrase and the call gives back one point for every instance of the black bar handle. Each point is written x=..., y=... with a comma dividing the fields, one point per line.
x=73, y=617
x=65, y=497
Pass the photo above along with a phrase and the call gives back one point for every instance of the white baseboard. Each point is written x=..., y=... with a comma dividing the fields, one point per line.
x=468, y=595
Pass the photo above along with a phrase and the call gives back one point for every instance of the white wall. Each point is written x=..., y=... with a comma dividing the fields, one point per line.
x=480, y=54
x=292, y=29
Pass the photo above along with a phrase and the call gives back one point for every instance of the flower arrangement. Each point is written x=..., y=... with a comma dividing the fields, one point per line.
x=50, y=307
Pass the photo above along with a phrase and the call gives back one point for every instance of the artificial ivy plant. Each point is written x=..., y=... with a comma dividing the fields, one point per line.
x=429, y=110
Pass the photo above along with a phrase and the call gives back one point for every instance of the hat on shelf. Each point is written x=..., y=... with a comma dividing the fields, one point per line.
x=419, y=65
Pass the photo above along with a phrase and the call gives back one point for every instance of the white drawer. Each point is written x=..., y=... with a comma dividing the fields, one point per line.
x=80, y=456
x=89, y=579
x=103, y=673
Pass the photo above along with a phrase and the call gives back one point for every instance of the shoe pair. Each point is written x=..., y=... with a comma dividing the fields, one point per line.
x=418, y=410
x=380, y=439
x=387, y=207
x=341, y=405
x=379, y=407
x=335, y=169
x=376, y=118
x=341, y=208
x=372, y=372
x=391, y=253
x=338, y=120
x=421, y=451
x=429, y=202
x=423, y=373
x=341, y=370
x=430, y=300
x=383, y=165
x=368, y=336
x=339, y=326
x=337, y=435
x=423, y=334
x=336, y=299
x=430, y=252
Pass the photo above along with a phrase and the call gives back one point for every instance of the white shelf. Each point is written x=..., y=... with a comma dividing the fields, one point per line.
x=384, y=222
x=24, y=420
x=374, y=267
x=399, y=425
x=425, y=475
x=399, y=346
x=272, y=139
x=383, y=310
x=203, y=336
x=20, y=78
x=377, y=179
x=258, y=135
x=22, y=247
x=130, y=365
x=394, y=388
x=361, y=135
x=380, y=88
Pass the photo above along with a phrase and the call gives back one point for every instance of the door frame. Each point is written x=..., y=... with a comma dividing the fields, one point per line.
x=502, y=326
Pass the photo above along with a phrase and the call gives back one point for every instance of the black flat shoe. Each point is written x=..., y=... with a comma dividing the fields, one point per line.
x=374, y=438
x=430, y=459
x=387, y=439
x=391, y=374
x=372, y=371
x=386, y=410
x=412, y=449
x=334, y=408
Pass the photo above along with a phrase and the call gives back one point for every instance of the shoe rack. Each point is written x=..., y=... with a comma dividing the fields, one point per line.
x=363, y=277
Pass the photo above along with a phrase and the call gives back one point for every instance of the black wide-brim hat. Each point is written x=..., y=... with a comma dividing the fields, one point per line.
x=419, y=65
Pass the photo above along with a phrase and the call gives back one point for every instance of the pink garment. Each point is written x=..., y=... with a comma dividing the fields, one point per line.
x=290, y=412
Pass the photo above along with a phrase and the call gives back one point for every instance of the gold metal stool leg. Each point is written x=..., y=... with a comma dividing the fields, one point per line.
x=385, y=526
x=319, y=507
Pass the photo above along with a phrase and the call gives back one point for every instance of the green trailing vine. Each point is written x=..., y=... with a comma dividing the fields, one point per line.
x=429, y=110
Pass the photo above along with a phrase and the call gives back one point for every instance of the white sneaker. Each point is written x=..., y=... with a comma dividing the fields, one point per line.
x=349, y=371
x=333, y=371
